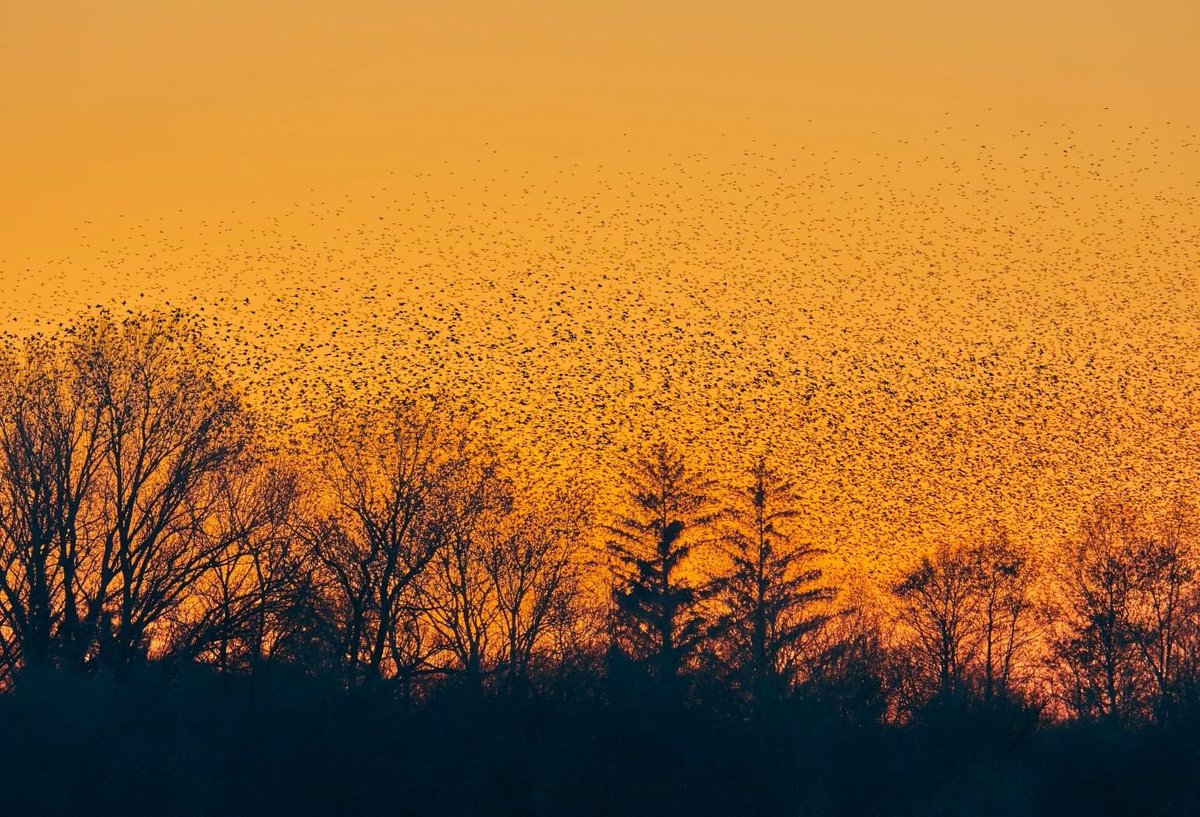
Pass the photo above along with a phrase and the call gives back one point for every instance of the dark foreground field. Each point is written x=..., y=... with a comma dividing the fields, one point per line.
x=195, y=744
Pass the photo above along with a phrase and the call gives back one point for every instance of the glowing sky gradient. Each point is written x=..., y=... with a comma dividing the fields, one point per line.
x=144, y=107
x=941, y=256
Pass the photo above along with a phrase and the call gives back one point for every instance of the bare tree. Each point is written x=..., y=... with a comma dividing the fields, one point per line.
x=533, y=559
x=1165, y=611
x=383, y=468
x=1006, y=579
x=460, y=599
x=338, y=594
x=1095, y=642
x=113, y=435
x=940, y=604
x=236, y=608
x=49, y=455
x=169, y=428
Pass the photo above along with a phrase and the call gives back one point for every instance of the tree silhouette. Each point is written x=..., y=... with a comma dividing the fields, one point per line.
x=386, y=519
x=658, y=615
x=50, y=455
x=1006, y=578
x=169, y=428
x=1167, y=604
x=940, y=603
x=534, y=561
x=1096, y=641
x=460, y=598
x=176, y=590
x=114, y=442
x=772, y=586
x=239, y=605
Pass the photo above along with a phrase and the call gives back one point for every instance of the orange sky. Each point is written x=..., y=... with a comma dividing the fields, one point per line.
x=943, y=256
x=142, y=106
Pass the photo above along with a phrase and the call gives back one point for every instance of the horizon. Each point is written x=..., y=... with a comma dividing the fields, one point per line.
x=600, y=408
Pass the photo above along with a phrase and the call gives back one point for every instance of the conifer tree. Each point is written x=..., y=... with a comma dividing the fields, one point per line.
x=657, y=599
x=772, y=585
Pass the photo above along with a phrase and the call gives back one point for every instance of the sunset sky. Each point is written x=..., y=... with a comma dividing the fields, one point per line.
x=140, y=108
x=807, y=223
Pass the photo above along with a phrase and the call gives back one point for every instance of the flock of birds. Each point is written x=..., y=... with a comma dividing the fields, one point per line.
x=929, y=339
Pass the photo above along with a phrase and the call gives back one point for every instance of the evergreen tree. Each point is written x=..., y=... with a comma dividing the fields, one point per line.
x=772, y=585
x=657, y=601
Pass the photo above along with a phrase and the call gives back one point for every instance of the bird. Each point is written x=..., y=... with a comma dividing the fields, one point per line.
x=925, y=334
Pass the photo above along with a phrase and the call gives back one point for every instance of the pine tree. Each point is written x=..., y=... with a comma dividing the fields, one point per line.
x=771, y=587
x=657, y=600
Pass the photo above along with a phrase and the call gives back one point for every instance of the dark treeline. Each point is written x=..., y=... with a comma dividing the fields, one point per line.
x=389, y=618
